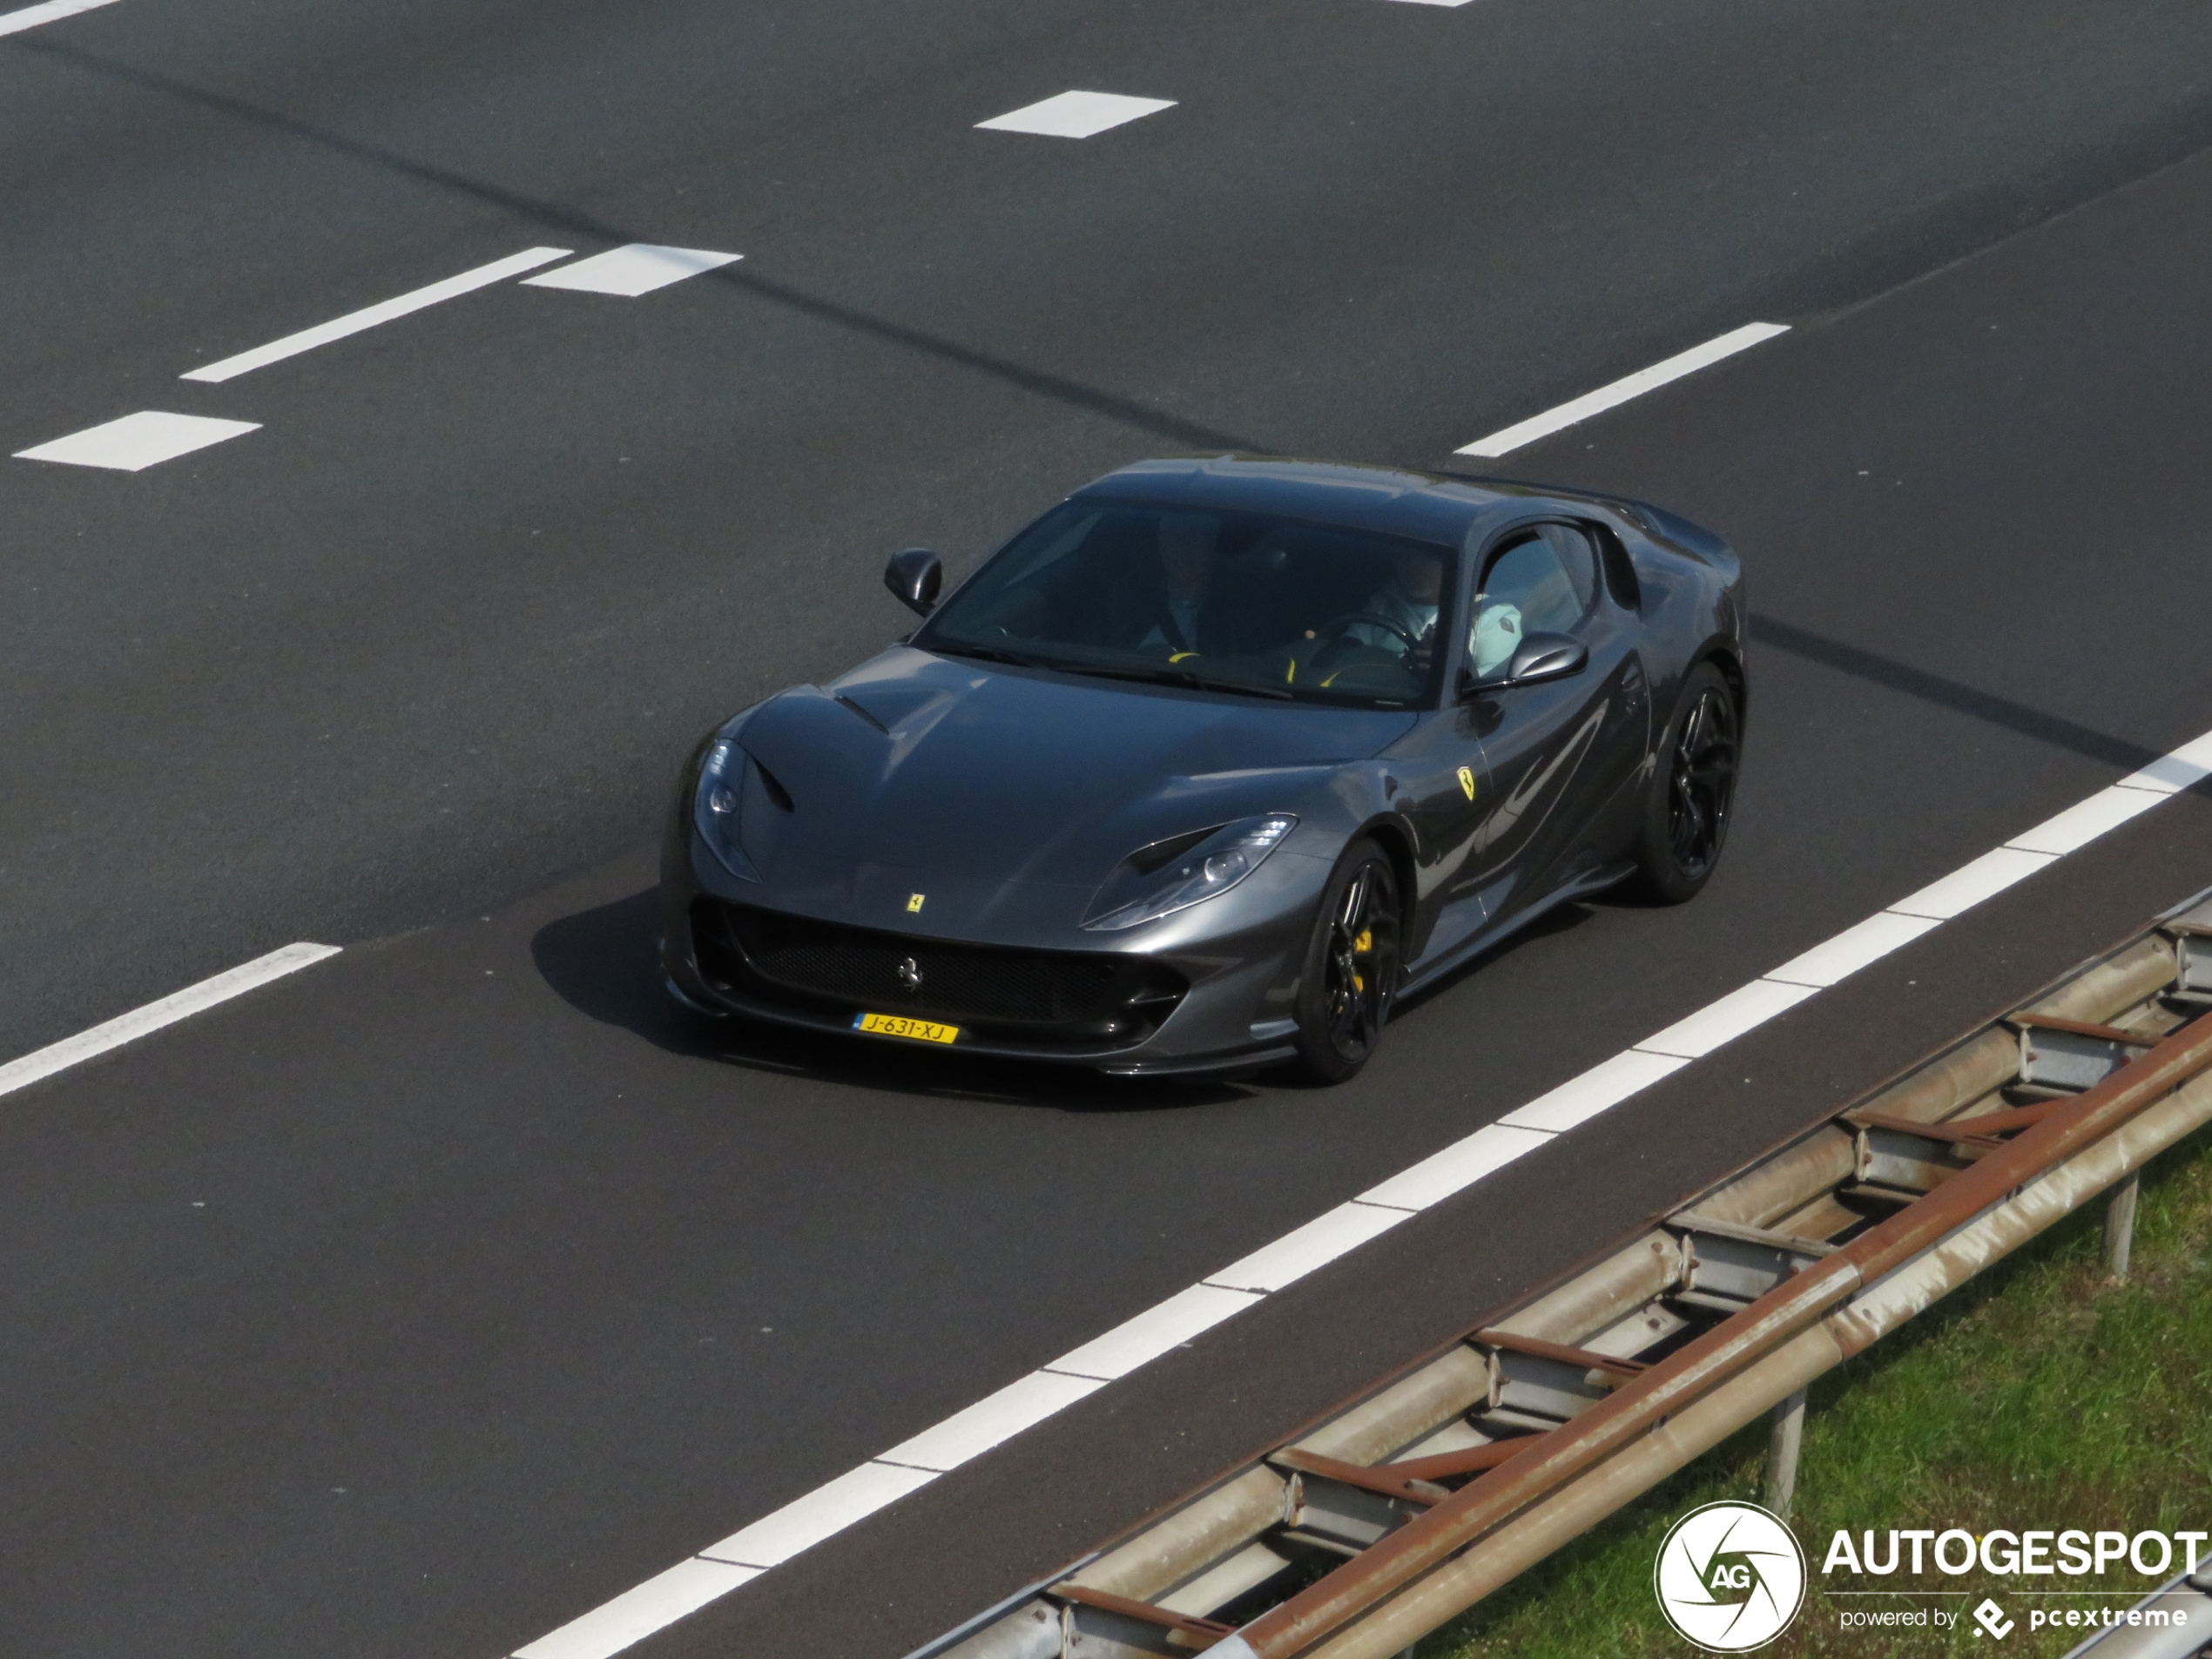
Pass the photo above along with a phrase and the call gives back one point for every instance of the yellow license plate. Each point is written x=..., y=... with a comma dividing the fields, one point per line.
x=898, y=1025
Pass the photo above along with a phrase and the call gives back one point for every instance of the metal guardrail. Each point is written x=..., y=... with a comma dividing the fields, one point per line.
x=2177, y=1624
x=1398, y=1510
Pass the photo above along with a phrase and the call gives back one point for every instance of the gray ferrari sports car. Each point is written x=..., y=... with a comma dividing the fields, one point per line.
x=1214, y=761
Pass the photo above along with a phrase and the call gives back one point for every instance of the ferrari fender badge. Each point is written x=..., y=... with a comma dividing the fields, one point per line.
x=915, y=903
x=1466, y=782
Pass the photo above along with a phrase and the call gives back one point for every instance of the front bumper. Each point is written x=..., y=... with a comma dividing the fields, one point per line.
x=1200, y=993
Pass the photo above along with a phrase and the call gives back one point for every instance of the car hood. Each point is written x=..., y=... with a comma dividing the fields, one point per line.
x=928, y=763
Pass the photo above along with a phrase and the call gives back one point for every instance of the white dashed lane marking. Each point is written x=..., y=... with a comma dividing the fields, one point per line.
x=128, y=1028
x=370, y=316
x=141, y=441
x=137, y=441
x=640, y=267
x=1631, y=386
x=1077, y=115
x=14, y=23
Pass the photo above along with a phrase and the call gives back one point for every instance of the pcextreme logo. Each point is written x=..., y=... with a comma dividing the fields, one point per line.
x=1730, y=1577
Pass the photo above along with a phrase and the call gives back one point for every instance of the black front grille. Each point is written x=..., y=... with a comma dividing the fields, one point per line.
x=1037, y=995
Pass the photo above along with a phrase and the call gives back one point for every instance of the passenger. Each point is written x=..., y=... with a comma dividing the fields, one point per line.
x=1495, y=636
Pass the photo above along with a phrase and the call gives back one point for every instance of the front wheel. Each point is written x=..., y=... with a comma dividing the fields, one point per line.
x=1692, y=799
x=1351, y=970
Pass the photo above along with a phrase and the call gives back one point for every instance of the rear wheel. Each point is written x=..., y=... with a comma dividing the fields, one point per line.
x=1351, y=968
x=1692, y=800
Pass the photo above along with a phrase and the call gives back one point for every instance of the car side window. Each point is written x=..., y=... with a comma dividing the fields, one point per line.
x=1578, y=562
x=1542, y=583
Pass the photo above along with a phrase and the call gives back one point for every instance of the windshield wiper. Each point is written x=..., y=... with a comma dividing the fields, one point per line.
x=1168, y=675
x=985, y=654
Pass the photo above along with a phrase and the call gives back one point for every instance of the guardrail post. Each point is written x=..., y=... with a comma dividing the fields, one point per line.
x=2120, y=1225
x=1782, y=1453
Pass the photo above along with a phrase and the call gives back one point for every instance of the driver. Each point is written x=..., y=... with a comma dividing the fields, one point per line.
x=1409, y=599
x=1181, y=620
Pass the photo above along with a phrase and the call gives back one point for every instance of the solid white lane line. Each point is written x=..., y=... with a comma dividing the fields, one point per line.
x=1021, y=1404
x=1302, y=1250
x=137, y=441
x=13, y=23
x=1163, y=1326
x=1599, y=1089
x=1042, y=1395
x=1854, y=948
x=634, y=268
x=2082, y=824
x=2190, y=763
x=128, y=1028
x=636, y=1614
x=1726, y=1019
x=1636, y=385
x=1969, y=884
x=370, y=316
x=1439, y=1174
x=1075, y=115
x=804, y=1521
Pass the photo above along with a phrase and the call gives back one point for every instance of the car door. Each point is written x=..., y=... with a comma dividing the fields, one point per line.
x=1441, y=785
x=1561, y=754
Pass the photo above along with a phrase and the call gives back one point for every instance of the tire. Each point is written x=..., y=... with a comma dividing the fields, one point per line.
x=1349, y=974
x=1692, y=797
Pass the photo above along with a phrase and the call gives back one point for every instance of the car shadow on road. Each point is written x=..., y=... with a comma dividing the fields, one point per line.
x=603, y=963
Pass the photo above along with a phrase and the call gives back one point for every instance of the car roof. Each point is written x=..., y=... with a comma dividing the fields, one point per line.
x=1395, y=501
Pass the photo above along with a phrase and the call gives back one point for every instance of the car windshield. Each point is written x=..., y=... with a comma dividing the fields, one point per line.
x=1226, y=601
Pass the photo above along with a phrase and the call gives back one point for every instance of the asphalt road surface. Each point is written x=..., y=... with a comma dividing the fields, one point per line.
x=419, y=1303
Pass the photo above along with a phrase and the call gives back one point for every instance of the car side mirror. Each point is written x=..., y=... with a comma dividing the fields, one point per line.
x=1537, y=658
x=917, y=576
x=1547, y=657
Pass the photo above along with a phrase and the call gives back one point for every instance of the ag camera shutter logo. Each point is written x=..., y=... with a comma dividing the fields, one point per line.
x=1730, y=1577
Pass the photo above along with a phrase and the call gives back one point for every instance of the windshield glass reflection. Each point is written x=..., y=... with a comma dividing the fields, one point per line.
x=1226, y=601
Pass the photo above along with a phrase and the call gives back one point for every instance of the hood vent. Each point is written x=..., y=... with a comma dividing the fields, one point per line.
x=847, y=703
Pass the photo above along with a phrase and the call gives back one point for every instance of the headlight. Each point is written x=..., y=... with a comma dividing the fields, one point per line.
x=716, y=803
x=1141, y=890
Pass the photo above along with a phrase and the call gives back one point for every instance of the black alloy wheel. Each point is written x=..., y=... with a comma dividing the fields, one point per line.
x=1351, y=970
x=1693, y=796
